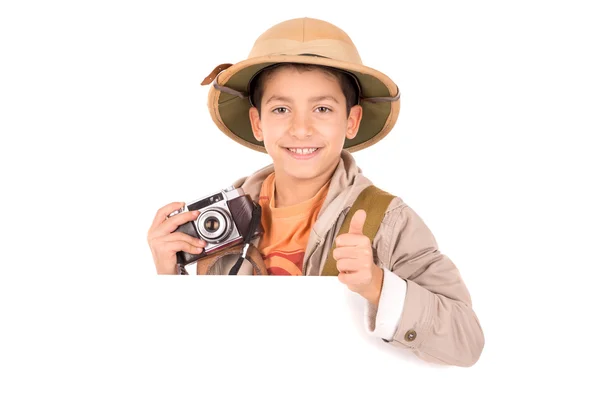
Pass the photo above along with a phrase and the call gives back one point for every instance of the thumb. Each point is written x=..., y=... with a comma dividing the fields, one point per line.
x=357, y=222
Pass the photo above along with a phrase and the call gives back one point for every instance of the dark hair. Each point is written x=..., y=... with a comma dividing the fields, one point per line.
x=347, y=83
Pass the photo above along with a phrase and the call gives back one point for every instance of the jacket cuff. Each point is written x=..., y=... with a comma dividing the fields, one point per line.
x=383, y=320
x=417, y=318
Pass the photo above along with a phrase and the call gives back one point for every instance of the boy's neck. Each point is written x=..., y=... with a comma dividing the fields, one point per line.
x=290, y=191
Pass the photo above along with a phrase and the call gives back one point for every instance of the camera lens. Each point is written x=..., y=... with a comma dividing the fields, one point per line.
x=214, y=225
x=211, y=224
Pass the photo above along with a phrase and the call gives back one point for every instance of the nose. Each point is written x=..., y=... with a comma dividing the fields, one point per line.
x=300, y=126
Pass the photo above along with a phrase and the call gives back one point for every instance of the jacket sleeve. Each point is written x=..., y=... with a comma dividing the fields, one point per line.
x=437, y=323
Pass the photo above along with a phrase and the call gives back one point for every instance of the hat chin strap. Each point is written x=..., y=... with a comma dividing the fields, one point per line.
x=382, y=99
x=231, y=91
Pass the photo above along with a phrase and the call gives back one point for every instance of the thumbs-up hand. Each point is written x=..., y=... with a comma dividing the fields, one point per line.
x=354, y=259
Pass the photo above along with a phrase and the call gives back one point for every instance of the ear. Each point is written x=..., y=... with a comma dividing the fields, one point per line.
x=255, y=123
x=354, y=119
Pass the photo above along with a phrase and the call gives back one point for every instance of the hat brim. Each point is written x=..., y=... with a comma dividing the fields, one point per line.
x=231, y=113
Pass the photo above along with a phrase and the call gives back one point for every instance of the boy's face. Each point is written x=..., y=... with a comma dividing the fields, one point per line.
x=303, y=122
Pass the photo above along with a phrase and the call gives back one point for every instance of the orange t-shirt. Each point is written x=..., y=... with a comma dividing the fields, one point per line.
x=286, y=229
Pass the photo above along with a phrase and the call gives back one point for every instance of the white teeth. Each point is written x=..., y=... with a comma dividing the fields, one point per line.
x=302, y=151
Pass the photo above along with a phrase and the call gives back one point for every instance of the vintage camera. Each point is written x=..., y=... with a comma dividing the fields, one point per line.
x=224, y=221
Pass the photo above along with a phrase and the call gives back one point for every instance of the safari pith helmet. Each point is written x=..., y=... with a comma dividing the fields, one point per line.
x=306, y=41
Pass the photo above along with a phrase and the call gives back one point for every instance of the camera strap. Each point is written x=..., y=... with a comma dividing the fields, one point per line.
x=256, y=214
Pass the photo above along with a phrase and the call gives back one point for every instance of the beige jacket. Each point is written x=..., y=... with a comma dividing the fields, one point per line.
x=438, y=323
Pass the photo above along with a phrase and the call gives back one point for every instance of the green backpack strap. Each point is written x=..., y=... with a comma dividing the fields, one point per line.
x=375, y=202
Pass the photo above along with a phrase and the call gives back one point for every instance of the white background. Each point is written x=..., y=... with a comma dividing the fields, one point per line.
x=103, y=121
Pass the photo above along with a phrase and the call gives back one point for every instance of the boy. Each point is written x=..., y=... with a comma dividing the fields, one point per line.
x=305, y=98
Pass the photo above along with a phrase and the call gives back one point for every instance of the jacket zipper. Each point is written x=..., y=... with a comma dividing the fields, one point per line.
x=319, y=241
x=315, y=247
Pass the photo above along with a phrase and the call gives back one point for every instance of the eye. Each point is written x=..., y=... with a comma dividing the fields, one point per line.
x=323, y=109
x=280, y=110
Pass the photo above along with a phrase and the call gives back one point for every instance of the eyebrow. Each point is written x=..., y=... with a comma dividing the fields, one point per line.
x=312, y=99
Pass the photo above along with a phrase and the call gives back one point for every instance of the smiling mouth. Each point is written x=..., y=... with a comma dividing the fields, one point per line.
x=303, y=153
x=302, y=150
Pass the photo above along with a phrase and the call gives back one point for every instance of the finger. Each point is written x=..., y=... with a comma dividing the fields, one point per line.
x=352, y=252
x=178, y=245
x=347, y=266
x=352, y=239
x=348, y=278
x=357, y=222
x=171, y=224
x=163, y=212
x=183, y=237
x=342, y=278
x=345, y=278
x=353, y=279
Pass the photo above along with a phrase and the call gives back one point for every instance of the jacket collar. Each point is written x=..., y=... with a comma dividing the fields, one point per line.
x=346, y=184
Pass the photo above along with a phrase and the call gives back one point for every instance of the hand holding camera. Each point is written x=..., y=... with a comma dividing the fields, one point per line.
x=165, y=242
x=183, y=233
